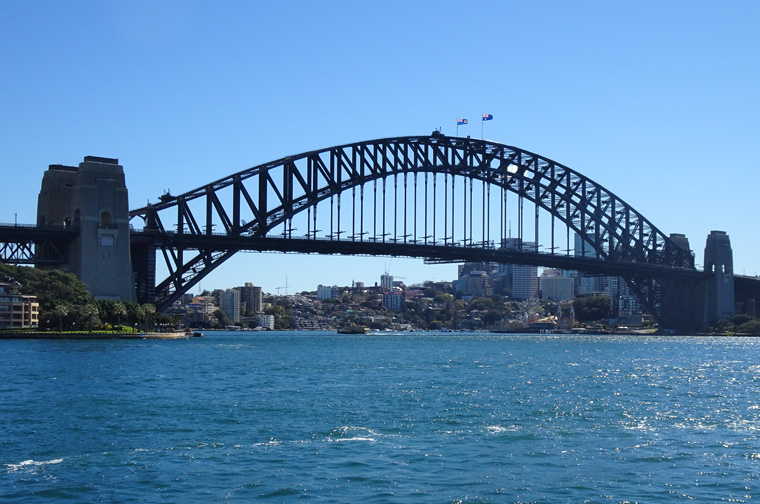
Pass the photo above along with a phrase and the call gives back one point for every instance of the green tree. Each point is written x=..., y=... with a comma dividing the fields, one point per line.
x=591, y=308
x=111, y=312
x=740, y=319
x=480, y=304
x=443, y=298
x=51, y=287
x=133, y=316
x=119, y=311
x=751, y=326
x=222, y=318
x=88, y=315
x=149, y=312
x=60, y=311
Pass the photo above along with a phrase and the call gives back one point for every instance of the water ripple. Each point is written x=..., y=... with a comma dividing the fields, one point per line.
x=429, y=418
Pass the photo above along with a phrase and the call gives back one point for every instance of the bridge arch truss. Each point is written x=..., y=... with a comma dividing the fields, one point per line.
x=434, y=196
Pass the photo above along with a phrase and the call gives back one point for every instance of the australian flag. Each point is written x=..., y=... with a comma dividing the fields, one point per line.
x=461, y=121
x=487, y=117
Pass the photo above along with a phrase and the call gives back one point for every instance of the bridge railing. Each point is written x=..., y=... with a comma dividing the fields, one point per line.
x=14, y=224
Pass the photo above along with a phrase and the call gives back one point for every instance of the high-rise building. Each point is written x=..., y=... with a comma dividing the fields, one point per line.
x=252, y=297
x=524, y=282
x=393, y=299
x=478, y=284
x=583, y=248
x=229, y=303
x=523, y=279
x=587, y=284
x=555, y=286
x=386, y=282
x=625, y=304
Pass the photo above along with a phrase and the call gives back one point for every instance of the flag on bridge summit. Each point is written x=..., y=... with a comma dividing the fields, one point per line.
x=487, y=117
x=461, y=121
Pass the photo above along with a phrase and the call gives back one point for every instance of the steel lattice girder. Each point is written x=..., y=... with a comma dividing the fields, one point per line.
x=277, y=191
x=23, y=244
x=17, y=253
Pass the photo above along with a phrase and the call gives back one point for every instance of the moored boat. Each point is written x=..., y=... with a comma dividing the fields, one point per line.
x=353, y=329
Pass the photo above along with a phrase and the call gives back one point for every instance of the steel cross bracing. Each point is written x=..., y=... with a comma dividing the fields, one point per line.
x=29, y=244
x=425, y=196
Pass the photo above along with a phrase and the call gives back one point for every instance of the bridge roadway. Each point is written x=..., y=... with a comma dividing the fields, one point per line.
x=18, y=242
x=395, y=248
x=20, y=238
x=30, y=244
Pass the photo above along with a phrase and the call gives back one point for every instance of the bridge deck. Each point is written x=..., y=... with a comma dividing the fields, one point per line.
x=475, y=253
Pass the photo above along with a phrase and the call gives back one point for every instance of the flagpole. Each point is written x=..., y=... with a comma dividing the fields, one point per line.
x=484, y=118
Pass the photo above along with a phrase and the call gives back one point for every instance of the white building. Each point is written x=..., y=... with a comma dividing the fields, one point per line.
x=524, y=282
x=266, y=321
x=327, y=292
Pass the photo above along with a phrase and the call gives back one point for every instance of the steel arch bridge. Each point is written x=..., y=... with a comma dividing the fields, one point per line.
x=435, y=197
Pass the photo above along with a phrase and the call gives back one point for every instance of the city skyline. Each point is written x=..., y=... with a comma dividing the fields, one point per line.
x=656, y=102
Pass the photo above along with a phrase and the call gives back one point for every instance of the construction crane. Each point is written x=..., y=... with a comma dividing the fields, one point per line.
x=388, y=271
x=285, y=287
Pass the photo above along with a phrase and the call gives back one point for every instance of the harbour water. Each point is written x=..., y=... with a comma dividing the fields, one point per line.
x=415, y=417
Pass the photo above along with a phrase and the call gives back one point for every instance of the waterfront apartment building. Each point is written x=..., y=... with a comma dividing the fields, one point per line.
x=266, y=321
x=17, y=310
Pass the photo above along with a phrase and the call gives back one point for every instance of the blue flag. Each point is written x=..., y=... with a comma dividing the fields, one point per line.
x=461, y=121
x=487, y=117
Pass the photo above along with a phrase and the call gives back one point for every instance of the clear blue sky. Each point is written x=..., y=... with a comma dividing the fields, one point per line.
x=657, y=101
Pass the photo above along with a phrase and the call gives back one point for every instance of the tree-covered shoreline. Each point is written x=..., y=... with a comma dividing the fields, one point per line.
x=67, y=306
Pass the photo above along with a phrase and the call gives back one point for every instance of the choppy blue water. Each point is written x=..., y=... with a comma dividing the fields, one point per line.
x=428, y=418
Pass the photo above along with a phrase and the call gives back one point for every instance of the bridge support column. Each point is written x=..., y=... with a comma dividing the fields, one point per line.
x=680, y=308
x=144, y=264
x=92, y=199
x=719, y=293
